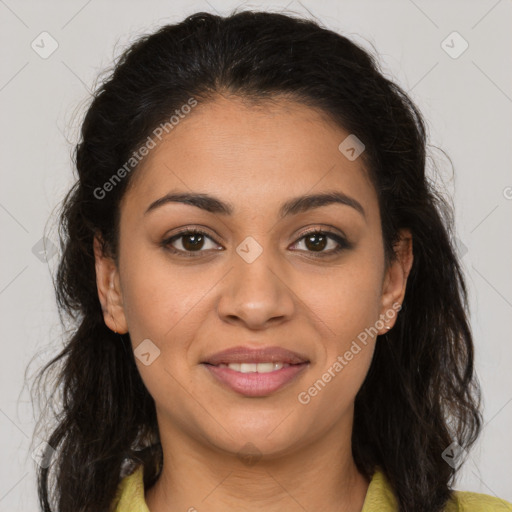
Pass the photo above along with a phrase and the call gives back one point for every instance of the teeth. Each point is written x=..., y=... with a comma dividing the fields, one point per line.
x=254, y=367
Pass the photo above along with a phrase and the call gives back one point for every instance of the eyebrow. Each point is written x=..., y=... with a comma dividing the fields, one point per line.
x=291, y=207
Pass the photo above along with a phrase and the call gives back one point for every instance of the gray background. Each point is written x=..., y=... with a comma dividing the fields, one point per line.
x=466, y=100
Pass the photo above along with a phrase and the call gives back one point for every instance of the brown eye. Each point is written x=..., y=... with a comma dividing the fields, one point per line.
x=191, y=241
x=317, y=241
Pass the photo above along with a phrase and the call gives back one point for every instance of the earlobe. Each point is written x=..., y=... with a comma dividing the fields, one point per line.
x=109, y=293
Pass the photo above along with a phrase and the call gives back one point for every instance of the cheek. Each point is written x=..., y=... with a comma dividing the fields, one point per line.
x=347, y=306
x=348, y=300
x=344, y=364
x=333, y=390
x=158, y=297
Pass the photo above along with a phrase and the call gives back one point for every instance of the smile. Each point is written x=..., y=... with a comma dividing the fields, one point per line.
x=254, y=367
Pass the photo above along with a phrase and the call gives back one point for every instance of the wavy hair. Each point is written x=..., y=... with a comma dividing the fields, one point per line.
x=421, y=392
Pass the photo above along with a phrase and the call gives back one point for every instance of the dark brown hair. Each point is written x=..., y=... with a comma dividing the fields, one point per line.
x=420, y=394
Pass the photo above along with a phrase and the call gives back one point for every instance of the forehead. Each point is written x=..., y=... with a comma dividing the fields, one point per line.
x=253, y=155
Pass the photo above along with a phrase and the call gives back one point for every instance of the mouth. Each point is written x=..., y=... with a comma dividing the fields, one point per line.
x=255, y=372
x=261, y=355
x=251, y=367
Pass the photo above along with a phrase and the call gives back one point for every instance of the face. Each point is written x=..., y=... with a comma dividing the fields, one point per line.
x=253, y=277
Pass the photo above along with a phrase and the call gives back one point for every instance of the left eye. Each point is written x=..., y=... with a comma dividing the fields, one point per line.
x=193, y=241
x=318, y=240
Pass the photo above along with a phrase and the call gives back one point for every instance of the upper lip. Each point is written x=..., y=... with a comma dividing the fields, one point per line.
x=259, y=355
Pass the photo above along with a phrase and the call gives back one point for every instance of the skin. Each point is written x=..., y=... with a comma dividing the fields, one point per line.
x=255, y=158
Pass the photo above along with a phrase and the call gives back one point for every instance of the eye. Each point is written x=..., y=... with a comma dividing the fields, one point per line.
x=317, y=240
x=194, y=241
x=191, y=241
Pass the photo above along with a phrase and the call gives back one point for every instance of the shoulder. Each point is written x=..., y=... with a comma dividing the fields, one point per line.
x=464, y=501
x=381, y=497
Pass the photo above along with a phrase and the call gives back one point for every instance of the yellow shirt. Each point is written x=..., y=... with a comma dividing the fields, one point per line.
x=379, y=497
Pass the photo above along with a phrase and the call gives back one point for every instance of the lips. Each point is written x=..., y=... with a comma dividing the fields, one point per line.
x=260, y=355
x=255, y=384
x=247, y=373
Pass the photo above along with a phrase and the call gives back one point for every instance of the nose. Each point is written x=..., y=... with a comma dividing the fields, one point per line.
x=256, y=293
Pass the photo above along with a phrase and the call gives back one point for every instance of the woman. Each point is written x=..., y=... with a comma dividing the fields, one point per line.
x=270, y=314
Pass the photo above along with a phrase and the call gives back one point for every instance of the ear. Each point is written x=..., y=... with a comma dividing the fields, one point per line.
x=109, y=289
x=395, y=280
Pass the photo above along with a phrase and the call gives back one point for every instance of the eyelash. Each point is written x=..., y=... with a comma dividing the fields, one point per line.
x=342, y=242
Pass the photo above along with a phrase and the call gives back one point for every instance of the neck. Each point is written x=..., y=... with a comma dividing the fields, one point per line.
x=196, y=476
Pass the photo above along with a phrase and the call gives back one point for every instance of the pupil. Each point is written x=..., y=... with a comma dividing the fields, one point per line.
x=316, y=245
x=198, y=240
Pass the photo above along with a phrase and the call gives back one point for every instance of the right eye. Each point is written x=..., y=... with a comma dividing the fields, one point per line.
x=191, y=241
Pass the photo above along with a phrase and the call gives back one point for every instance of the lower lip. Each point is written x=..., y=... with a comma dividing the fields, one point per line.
x=256, y=384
